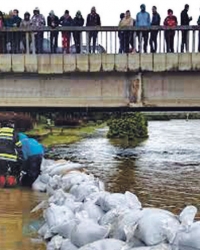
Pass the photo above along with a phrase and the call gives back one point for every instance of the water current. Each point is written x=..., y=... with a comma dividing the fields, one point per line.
x=163, y=171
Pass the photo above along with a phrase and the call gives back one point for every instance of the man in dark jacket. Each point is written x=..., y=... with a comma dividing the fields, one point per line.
x=121, y=36
x=53, y=22
x=15, y=41
x=155, y=22
x=93, y=19
x=78, y=21
x=10, y=155
x=185, y=21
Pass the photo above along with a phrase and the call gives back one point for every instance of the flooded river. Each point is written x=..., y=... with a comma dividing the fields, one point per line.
x=164, y=171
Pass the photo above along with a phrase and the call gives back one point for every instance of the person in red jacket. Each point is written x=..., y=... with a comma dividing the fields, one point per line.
x=170, y=21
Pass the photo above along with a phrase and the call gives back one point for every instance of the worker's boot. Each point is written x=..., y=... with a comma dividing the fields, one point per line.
x=11, y=181
x=2, y=181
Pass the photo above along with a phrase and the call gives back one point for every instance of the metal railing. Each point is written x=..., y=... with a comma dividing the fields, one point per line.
x=109, y=39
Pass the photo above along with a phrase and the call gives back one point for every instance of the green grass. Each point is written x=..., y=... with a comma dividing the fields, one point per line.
x=61, y=136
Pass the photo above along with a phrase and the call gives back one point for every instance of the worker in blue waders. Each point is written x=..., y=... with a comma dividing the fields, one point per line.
x=11, y=155
x=33, y=153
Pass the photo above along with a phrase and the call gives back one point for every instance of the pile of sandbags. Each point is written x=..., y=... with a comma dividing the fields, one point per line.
x=80, y=214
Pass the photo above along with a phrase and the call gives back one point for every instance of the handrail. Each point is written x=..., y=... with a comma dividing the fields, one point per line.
x=101, y=28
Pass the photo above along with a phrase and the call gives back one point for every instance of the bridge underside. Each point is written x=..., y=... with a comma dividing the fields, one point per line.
x=147, y=91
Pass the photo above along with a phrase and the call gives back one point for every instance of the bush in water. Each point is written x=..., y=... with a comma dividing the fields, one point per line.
x=132, y=126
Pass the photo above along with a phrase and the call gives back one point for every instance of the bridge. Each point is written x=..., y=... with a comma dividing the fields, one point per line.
x=109, y=80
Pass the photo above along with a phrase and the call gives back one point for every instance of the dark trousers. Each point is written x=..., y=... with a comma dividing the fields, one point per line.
x=77, y=41
x=121, y=42
x=10, y=168
x=93, y=36
x=153, y=41
x=2, y=43
x=39, y=42
x=32, y=169
x=184, y=42
x=199, y=43
x=144, y=35
x=15, y=43
x=169, y=38
x=54, y=41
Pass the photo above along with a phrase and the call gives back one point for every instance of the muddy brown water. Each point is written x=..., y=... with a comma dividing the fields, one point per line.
x=163, y=171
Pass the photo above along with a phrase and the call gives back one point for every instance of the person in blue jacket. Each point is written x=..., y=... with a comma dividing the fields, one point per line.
x=33, y=153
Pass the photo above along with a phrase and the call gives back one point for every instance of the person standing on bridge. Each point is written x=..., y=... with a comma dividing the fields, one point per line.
x=185, y=21
x=78, y=22
x=53, y=22
x=66, y=21
x=171, y=22
x=198, y=22
x=93, y=19
x=154, y=33
x=26, y=23
x=38, y=21
x=143, y=20
x=2, y=34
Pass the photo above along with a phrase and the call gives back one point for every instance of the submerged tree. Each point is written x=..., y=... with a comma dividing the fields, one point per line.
x=132, y=126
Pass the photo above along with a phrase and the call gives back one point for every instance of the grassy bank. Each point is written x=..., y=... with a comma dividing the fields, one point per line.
x=61, y=136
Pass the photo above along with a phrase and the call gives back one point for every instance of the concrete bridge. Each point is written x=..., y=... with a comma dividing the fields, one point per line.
x=132, y=81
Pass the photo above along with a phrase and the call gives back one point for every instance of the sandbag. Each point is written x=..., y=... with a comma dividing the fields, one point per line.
x=188, y=239
x=74, y=178
x=151, y=229
x=111, y=201
x=111, y=216
x=38, y=185
x=42, y=231
x=88, y=231
x=105, y=244
x=83, y=190
x=125, y=225
x=94, y=211
x=187, y=216
x=67, y=245
x=63, y=168
x=55, y=243
x=57, y=215
x=54, y=182
x=65, y=229
x=44, y=178
x=59, y=197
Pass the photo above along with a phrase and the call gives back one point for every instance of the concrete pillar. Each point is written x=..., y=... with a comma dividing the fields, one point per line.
x=159, y=62
x=31, y=63
x=69, y=62
x=18, y=63
x=196, y=61
x=95, y=62
x=133, y=62
x=5, y=63
x=121, y=62
x=146, y=62
x=56, y=63
x=108, y=62
x=171, y=62
x=44, y=64
x=185, y=61
x=82, y=63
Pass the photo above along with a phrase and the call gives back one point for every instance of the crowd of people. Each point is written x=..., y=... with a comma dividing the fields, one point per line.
x=126, y=38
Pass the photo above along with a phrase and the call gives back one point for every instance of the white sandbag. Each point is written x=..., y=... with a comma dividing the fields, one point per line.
x=111, y=216
x=161, y=246
x=111, y=201
x=46, y=163
x=96, y=196
x=38, y=185
x=49, y=190
x=83, y=190
x=55, y=182
x=53, y=166
x=65, y=229
x=57, y=215
x=55, y=243
x=188, y=239
x=67, y=245
x=105, y=244
x=124, y=226
x=94, y=211
x=60, y=196
x=74, y=178
x=187, y=216
x=151, y=229
x=44, y=178
x=63, y=168
x=88, y=231
x=42, y=205
x=42, y=231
